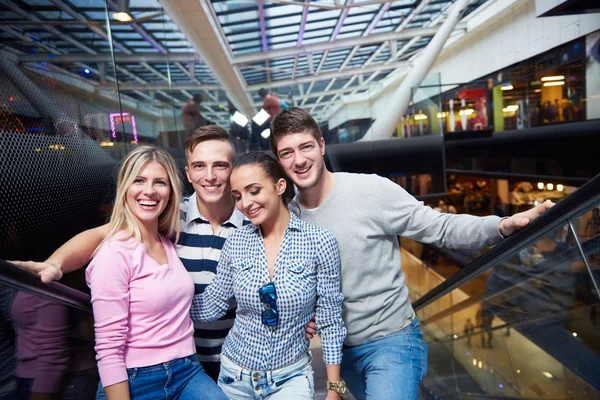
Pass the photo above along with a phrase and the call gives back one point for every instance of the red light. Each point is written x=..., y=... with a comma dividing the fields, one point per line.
x=11, y=98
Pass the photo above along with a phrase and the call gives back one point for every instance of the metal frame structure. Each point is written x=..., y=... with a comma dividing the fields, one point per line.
x=297, y=48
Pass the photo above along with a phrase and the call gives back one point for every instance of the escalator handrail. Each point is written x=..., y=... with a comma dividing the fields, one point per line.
x=20, y=279
x=582, y=200
x=577, y=203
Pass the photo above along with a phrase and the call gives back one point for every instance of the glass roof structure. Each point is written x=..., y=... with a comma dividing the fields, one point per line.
x=310, y=52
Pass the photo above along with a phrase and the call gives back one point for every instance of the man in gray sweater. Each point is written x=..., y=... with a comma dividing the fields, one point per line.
x=385, y=356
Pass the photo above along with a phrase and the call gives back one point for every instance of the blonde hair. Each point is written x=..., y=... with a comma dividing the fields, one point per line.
x=122, y=219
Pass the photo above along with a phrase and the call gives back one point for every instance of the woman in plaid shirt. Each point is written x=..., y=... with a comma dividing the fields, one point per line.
x=283, y=272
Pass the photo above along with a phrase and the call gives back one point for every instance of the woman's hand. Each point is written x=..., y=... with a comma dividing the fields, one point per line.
x=48, y=272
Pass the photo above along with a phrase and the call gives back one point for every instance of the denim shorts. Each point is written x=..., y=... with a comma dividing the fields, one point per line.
x=294, y=382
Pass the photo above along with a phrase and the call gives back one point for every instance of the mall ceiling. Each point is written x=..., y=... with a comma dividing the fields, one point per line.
x=310, y=52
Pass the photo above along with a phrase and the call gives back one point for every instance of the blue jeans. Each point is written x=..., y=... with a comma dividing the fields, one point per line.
x=294, y=382
x=180, y=379
x=389, y=368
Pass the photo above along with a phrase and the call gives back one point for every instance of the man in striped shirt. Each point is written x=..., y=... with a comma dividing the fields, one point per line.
x=208, y=216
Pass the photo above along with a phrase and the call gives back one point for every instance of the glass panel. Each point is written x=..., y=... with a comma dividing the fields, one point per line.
x=520, y=330
x=587, y=227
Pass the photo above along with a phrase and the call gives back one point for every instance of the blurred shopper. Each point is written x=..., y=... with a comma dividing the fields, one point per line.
x=468, y=331
x=190, y=113
x=52, y=362
x=282, y=271
x=487, y=334
x=385, y=356
x=271, y=103
x=141, y=292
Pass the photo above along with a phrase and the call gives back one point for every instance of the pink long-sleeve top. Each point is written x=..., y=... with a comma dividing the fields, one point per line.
x=141, y=308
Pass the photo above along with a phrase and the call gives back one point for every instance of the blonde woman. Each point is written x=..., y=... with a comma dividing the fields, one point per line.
x=141, y=293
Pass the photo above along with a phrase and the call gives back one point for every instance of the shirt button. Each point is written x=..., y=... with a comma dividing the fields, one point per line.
x=255, y=375
x=257, y=388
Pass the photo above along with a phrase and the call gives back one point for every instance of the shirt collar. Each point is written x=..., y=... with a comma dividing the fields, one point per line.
x=294, y=224
x=236, y=219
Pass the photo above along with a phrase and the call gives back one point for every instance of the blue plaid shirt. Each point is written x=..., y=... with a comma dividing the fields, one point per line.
x=307, y=280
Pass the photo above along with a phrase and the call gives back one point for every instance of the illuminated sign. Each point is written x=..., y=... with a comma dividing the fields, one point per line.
x=123, y=118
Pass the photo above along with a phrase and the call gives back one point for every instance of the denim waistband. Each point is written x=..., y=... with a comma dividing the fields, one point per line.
x=240, y=372
x=163, y=365
x=406, y=324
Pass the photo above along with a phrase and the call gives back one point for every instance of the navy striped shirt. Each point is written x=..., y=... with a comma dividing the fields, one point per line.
x=199, y=250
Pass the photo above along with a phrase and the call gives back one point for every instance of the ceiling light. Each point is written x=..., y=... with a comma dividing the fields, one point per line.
x=560, y=188
x=466, y=111
x=547, y=374
x=574, y=334
x=507, y=87
x=261, y=117
x=266, y=133
x=474, y=362
x=553, y=78
x=122, y=16
x=540, y=185
x=240, y=119
x=480, y=364
x=87, y=70
x=518, y=371
x=559, y=83
x=550, y=186
x=419, y=117
x=442, y=114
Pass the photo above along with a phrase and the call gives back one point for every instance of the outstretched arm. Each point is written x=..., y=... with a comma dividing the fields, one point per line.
x=213, y=303
x=71, y=256
x=329, y=310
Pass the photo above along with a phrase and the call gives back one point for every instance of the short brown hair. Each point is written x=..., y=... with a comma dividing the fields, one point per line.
x=206, y=133
x=292, y=120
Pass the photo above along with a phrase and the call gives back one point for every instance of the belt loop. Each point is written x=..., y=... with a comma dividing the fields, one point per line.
x=270, y=377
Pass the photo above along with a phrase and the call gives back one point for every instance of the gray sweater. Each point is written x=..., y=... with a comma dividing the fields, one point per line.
x=366, y=213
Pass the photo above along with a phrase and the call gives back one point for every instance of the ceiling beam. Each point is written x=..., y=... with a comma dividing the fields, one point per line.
x=338, y=44
x=302, y=25
x=263, y=25
x=332, y=74
x=167, y=86
x=119, y=58
x=199, y=24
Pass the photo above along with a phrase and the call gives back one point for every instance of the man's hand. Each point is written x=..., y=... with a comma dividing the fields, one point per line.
x=510, y=225
x=311, y=329
x=48, y=272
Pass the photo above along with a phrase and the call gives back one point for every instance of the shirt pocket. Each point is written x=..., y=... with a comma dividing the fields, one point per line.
x=301, y=280
x=246, y=277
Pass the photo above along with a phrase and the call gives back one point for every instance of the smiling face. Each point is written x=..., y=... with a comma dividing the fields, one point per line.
x=256, y=195
x=149, y=193
x=301, y=156
x=208, y=170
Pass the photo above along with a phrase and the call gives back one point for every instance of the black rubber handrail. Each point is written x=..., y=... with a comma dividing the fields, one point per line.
x=582, y=200
x=11, y=275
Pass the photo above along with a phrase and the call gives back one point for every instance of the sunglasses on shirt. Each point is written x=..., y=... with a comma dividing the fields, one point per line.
x=268, y=296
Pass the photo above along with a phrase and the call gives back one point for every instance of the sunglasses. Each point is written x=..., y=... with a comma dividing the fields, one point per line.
x=268, y=296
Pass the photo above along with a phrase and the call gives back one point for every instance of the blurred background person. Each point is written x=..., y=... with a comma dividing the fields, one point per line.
x=190, y=113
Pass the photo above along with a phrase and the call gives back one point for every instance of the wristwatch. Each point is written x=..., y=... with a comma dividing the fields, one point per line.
x=339, y=387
